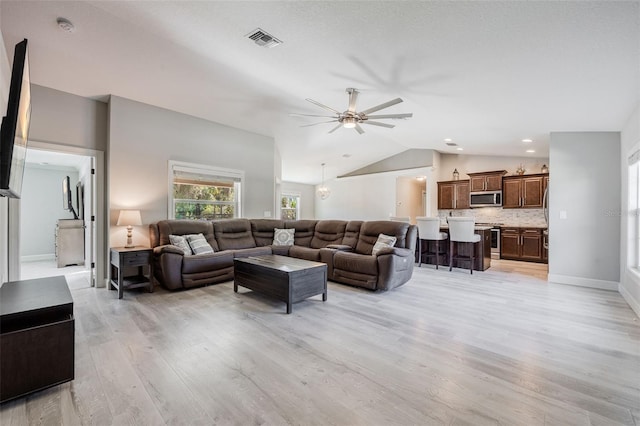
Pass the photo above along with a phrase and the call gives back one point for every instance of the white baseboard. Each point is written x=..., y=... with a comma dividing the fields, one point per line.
x=635, y=305
x=37, y=257
x=583, y=282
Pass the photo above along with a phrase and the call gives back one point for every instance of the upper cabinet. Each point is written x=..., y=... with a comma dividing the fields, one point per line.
x=453, y=194
x=486, y=181
x=525, y=191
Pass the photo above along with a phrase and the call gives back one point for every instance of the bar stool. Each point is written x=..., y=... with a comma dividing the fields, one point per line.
x=429, y=230
x=461, y=230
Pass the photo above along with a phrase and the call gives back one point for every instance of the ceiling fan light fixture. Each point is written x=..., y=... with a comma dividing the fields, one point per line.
x=349, y=122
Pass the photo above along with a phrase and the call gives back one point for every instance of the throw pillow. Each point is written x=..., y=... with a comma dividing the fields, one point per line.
x=283, y=237
x=199, y=244
x=382, y=242
x=181, y=242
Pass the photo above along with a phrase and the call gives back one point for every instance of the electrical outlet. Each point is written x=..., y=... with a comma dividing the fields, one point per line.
x=266, y=213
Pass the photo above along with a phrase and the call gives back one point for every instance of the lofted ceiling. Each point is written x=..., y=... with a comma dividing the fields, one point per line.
x=485, y=74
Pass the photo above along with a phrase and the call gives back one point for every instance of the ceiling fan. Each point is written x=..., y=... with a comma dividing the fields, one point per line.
x=351, y=119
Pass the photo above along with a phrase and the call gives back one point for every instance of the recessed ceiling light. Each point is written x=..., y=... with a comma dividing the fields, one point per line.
x=527, y=140
x=66, y=25
x=459, y=149
x=531, y=151
x=448, y=140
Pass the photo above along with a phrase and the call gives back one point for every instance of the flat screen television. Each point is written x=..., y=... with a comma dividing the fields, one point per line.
x=67, y=197
x=14, y=132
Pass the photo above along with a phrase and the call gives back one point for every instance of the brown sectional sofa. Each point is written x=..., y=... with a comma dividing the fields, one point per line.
x=345, y=246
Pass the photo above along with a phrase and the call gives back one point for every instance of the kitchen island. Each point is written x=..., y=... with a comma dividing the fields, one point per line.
x=482, y=249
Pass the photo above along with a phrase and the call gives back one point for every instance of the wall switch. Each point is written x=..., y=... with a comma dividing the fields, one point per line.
x=563, y=214
x=266, y=213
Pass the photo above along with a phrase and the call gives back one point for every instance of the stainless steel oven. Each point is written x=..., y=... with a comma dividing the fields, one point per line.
x=495, y=242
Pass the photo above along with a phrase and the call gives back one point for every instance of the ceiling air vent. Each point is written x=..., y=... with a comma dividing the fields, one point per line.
x=452, y=144
x=263, y=38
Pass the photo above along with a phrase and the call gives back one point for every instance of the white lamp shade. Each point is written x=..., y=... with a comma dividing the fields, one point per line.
x=129, y=218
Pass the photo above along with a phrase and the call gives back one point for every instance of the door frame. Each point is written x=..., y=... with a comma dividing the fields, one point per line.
x=99, y=212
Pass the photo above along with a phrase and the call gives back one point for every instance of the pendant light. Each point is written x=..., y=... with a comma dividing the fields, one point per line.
x=323, y=191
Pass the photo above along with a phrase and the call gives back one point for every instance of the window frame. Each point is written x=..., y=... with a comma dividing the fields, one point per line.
x=291, y=194
x=204, y=169
x=633, y=209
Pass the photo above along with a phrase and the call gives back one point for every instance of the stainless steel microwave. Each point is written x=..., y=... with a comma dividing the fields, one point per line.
x=485, y=199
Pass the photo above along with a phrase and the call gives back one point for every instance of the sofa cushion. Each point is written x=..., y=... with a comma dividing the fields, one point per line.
x=305, y=253
x=232, y=234
x=199, y=244
x=185, y=227
x=181, y=242
x=348, y=261
x=304, y=231
x=351, y=233
x=283, y=237
x=382, y=242
x=328, y=232
x=262, y=230
x=369, y=232
x=207, y=262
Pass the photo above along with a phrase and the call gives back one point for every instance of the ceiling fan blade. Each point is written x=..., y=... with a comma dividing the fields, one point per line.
x=294, y=114
x=323, y=106
x=407, y=115
x=353, y=95
x=359, y=129
x=376, y=123
x=322, y=122
x=335, y=128
x=381, y=106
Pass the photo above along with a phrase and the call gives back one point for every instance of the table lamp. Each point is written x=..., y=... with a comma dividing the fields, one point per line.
x=129, y=218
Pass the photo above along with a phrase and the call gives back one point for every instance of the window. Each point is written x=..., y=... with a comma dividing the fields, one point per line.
x=204, y=192
x=290, y=207
x=633, y=223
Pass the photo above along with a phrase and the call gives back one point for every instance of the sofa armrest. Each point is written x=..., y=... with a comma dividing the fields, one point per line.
x=397, y=251
x=340, y=247
x=167, y=249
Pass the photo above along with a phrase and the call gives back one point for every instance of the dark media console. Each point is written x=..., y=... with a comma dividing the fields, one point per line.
x=36, y=336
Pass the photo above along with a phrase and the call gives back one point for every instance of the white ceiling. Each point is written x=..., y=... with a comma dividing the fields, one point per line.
x=486, y=74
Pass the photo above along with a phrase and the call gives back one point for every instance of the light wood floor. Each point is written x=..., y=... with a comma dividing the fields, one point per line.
x=499, y=347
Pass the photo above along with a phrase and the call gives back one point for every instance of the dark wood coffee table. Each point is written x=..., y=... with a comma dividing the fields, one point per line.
x=284, y=278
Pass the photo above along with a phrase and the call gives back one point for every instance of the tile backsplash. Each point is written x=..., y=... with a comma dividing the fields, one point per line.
x=509, y=217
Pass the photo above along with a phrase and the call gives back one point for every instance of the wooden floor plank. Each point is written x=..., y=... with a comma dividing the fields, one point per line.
x=501, y=347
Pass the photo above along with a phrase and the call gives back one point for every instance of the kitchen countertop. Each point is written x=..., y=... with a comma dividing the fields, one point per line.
x=510, y=225
x=477, y=228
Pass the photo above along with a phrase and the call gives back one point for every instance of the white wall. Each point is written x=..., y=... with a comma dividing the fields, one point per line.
x=41, y=207
x=367, y=197
x=584, y=248
x=307, y=197
x=483, y=163
x=143, y=138
x=409, y=197
x=629, y=280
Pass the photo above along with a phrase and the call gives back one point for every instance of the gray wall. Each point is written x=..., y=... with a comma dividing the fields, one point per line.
x=629, y=279
x=41, y=207
x=67, y=119
x=143, y=138
x=584, y=247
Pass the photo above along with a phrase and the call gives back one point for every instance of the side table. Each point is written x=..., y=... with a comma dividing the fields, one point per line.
x=122, y=258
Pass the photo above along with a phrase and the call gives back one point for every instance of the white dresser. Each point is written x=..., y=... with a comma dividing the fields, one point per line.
x=70, y=242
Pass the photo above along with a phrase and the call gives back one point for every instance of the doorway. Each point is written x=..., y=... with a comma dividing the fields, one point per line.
x=60, y=241
x=411, y=197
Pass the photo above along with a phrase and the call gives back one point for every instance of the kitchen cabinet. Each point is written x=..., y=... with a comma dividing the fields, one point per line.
x=486, y=181
x=453, y=194
x=522, y=244
x=523, y=191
